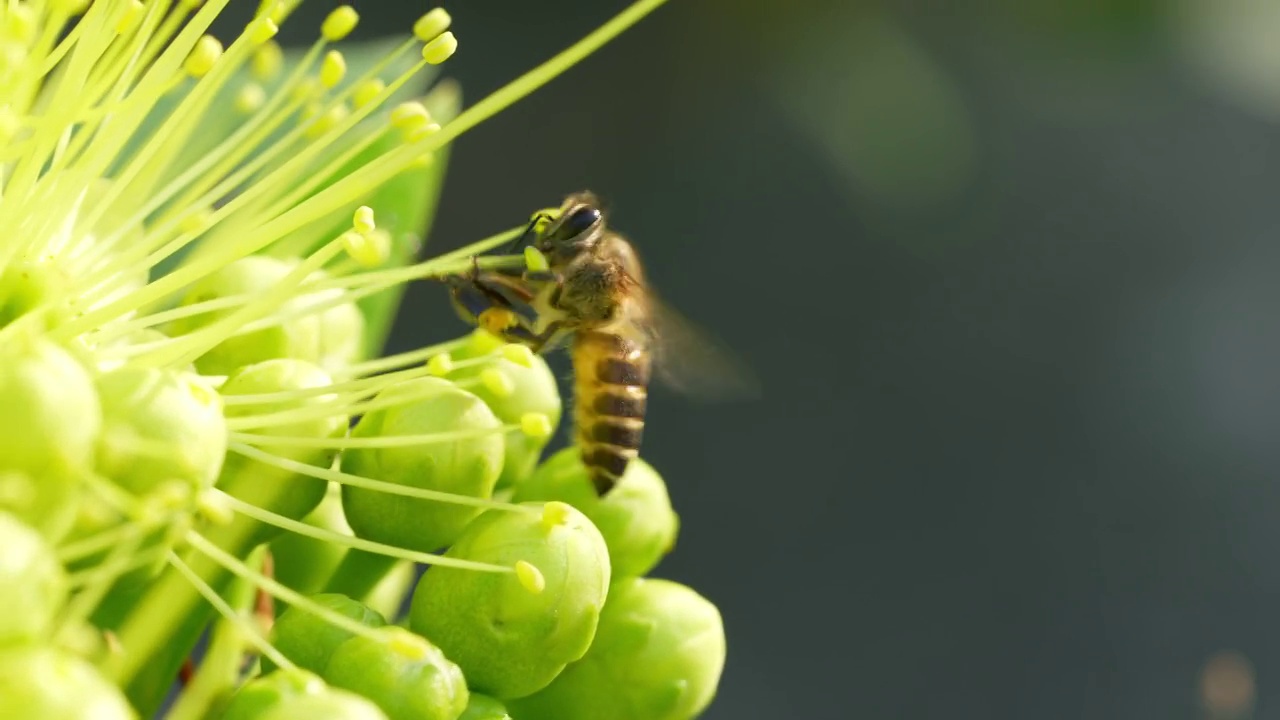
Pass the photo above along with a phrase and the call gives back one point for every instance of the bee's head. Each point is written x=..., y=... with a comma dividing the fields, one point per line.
x=576, y=230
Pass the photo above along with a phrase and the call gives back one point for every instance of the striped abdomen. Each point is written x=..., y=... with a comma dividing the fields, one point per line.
x=611, y=378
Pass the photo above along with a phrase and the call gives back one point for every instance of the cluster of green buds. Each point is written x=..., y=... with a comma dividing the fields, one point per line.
x=213, y=481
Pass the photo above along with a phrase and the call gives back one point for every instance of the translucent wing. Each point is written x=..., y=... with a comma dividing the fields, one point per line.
x=688, y=359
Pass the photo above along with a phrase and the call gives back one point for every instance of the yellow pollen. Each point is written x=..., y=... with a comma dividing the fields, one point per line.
x=367, y=91
x=429, y=26
x=536, y=425
x=497, y=382
x=534, y=260
x=261, y=30
x=250, y=98
x=333, y=69
x=497, y=319
x=440, y=49
x=518, y=354
x=530, y=577
x=203, y=56
x=267, y=61
x=440, y=365
x=339, y=23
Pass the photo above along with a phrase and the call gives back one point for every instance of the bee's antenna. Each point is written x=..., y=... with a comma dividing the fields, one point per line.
x=529, y=232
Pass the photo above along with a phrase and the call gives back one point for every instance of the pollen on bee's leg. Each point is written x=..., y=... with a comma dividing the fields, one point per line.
x=497, y=319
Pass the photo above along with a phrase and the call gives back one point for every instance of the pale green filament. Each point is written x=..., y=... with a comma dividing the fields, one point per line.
x=360, y=481
x=247, y=628
x=329, y=536
x=382, y=441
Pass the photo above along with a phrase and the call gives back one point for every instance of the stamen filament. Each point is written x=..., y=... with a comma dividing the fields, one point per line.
x=250, y=632
x=384, y=441
x=329, y=536
x=370, y=484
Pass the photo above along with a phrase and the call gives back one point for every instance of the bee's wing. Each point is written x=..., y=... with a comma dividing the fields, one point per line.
x=688, y=359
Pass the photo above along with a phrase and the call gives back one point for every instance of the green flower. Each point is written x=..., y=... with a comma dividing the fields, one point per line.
x=205, y=243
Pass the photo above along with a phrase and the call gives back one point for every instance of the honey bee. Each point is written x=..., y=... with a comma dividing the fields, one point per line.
x=593, y=295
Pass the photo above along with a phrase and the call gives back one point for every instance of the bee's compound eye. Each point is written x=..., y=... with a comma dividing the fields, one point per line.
x=580, y=221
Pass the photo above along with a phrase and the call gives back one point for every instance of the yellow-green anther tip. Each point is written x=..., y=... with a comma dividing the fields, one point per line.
x=536, y=425
x=518, y=354
x=429, y=26
x=440, y=365
x=422, y=132
x=530, y=577
x=440, y=49
x=250, y=97
x=262, y=29
x=203, y=57
x=363, y=220
x=339, y=23
x=410, y=115
x=267, y=61
x=497, y=382
x=332, y=69
x=359, y=247
x=555, y=514
x=535, y=260
x=367, y=91
x=69, y=7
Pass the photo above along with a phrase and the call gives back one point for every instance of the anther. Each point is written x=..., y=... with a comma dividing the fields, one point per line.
x=518, y=354
x=267, y=61
x=429, y=26
x=339, y=23
x=440, y=49
x=250, y=97
x=367, y=91
x=332, y=69
x=203, y=57
x=536, y=425
x=128, y=20
x=409, y=115
x=440, y=365
x=530, y=577
x=497, y=382
x=261, y=30
x=363, y=220
x=534, y=260
x=555, y=513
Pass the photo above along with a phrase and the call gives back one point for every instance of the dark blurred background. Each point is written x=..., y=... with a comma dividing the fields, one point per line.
x=1008, y=273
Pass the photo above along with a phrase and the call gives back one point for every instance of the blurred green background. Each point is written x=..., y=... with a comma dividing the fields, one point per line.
x=1008, y=273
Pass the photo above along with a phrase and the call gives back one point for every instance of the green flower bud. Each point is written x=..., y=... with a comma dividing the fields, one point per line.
x=408, y=677
x=463, y=467
x=285, y=695
x=483, y=707
x=305, y=563
x=532, y=389
x=635, y=518
x=35, y=585
x=309, y=640
x=41, y=683
x=512, y=633
x=278, y=490
x=159, y=426
x=50, y=419
x=666, y=640
x=329, y=338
